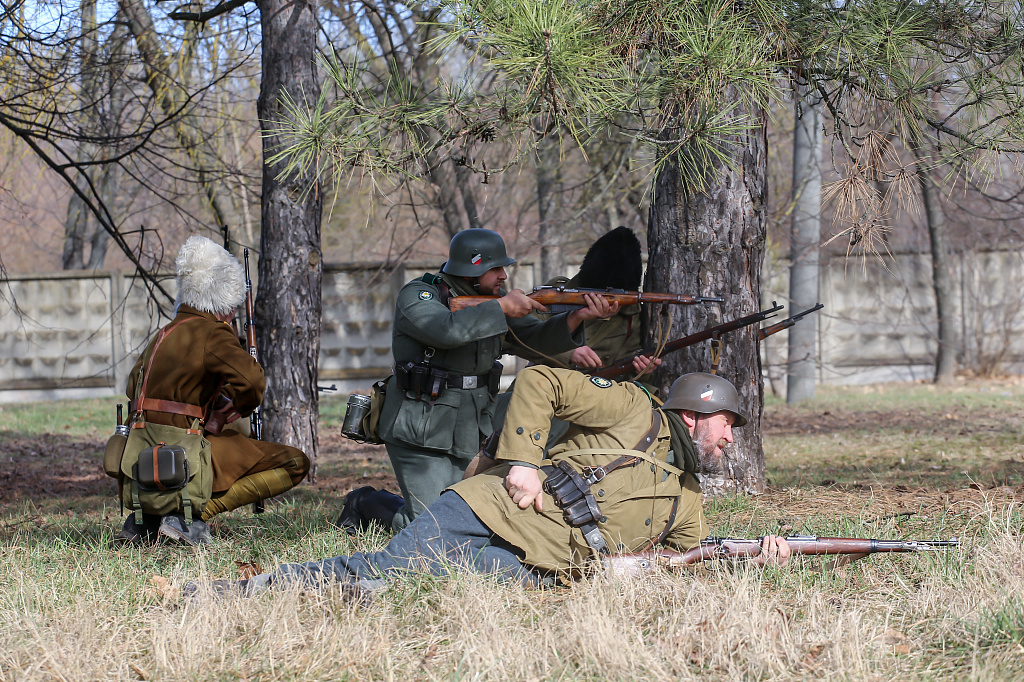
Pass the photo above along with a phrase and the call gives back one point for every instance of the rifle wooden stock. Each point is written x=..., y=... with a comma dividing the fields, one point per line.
x=255, y=419
x=623, y=367
x=786, y=323
x=641, y=563
x=562, y=296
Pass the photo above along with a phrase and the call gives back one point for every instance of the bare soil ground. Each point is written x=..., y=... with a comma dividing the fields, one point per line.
x=823, y=460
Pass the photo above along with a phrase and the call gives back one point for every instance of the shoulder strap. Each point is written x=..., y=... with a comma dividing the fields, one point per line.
x=643, y=446
x=627, y=457
x=143, y=403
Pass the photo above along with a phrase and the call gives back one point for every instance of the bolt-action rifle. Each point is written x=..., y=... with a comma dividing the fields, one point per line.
x=641, y=563
x=256, y=418
x=765, y=332
x=623, y=367
x=560, y=295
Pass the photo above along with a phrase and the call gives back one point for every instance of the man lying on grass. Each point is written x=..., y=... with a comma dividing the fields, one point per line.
x=625, y=473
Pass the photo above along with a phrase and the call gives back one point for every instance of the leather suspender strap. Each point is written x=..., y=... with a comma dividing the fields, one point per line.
x=143, y=403
x=595, y=474
x=664, y=531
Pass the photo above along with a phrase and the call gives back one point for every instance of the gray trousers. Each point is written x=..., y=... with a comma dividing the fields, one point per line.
x=447, y=536
x=422, y=477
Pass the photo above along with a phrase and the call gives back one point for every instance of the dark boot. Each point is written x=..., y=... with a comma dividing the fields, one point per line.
x=174, y=528
x=136, y=534
x=352, y=520
x=381, y=507
x=366, y=505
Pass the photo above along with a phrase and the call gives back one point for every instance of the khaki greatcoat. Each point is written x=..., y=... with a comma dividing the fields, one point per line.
x=636, y=501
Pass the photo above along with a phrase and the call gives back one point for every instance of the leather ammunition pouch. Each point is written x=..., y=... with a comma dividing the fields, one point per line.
x=572, y=495
x=571, y=491
x=579, y=508
x=422, y=381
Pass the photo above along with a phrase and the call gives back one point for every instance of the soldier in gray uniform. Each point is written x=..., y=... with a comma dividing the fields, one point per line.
x=439, y=403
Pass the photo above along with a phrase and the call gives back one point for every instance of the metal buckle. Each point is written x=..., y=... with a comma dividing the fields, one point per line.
x=594, y=474
x=469, y=381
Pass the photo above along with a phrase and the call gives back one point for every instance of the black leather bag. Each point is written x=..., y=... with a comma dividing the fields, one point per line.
x=162, y=467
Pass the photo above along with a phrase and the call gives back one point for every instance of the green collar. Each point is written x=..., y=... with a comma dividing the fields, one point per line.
x=682, y=445
x=459, y=285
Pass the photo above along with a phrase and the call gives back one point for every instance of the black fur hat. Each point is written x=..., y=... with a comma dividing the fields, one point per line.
x=613, y=262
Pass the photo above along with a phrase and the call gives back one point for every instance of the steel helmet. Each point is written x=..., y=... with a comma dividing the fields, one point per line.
x=704, y=394
x=475, y=251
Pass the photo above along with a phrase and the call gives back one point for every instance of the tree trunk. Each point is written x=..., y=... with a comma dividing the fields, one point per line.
x=110, y=181
x=288, y=304
x=712, y=243
x=803, y=250
x=76, y=223
x=111, y=187
x=942, y=281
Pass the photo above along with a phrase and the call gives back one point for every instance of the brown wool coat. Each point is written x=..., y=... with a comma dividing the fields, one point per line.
x=636, y=501
x=199, y=356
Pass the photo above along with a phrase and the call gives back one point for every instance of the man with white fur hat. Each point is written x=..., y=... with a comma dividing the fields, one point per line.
x=198, y=360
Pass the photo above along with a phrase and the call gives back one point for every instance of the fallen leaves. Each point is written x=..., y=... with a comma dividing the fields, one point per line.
x=248, y=570
x=161, y=588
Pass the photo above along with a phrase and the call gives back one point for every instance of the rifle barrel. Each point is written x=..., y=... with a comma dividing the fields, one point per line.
x=255, y=419
x=786, y=323
x=625, y=366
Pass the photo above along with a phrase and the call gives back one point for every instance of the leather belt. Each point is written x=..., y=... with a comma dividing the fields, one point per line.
x=467, y=381
x=168, y=406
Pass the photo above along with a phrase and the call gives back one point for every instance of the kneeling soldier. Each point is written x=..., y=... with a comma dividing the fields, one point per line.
x=625, y=474
x=440, y=401
x=193, y=368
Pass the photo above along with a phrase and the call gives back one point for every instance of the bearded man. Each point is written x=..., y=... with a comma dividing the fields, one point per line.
x=638, y=464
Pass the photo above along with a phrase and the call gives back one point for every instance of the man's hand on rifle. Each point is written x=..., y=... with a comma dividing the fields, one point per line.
x=597, y=306
x=642, y=362
x=516, y=304
x=523, y=486
x=585, y=356
x=775, y=551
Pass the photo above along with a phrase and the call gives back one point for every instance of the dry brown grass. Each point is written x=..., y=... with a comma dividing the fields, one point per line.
x=72, y=609
x=889, y=619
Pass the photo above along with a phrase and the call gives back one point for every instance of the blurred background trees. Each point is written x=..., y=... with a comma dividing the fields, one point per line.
x=133, y=123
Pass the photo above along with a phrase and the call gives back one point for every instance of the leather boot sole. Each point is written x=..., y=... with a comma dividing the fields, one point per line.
x=175, y=535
